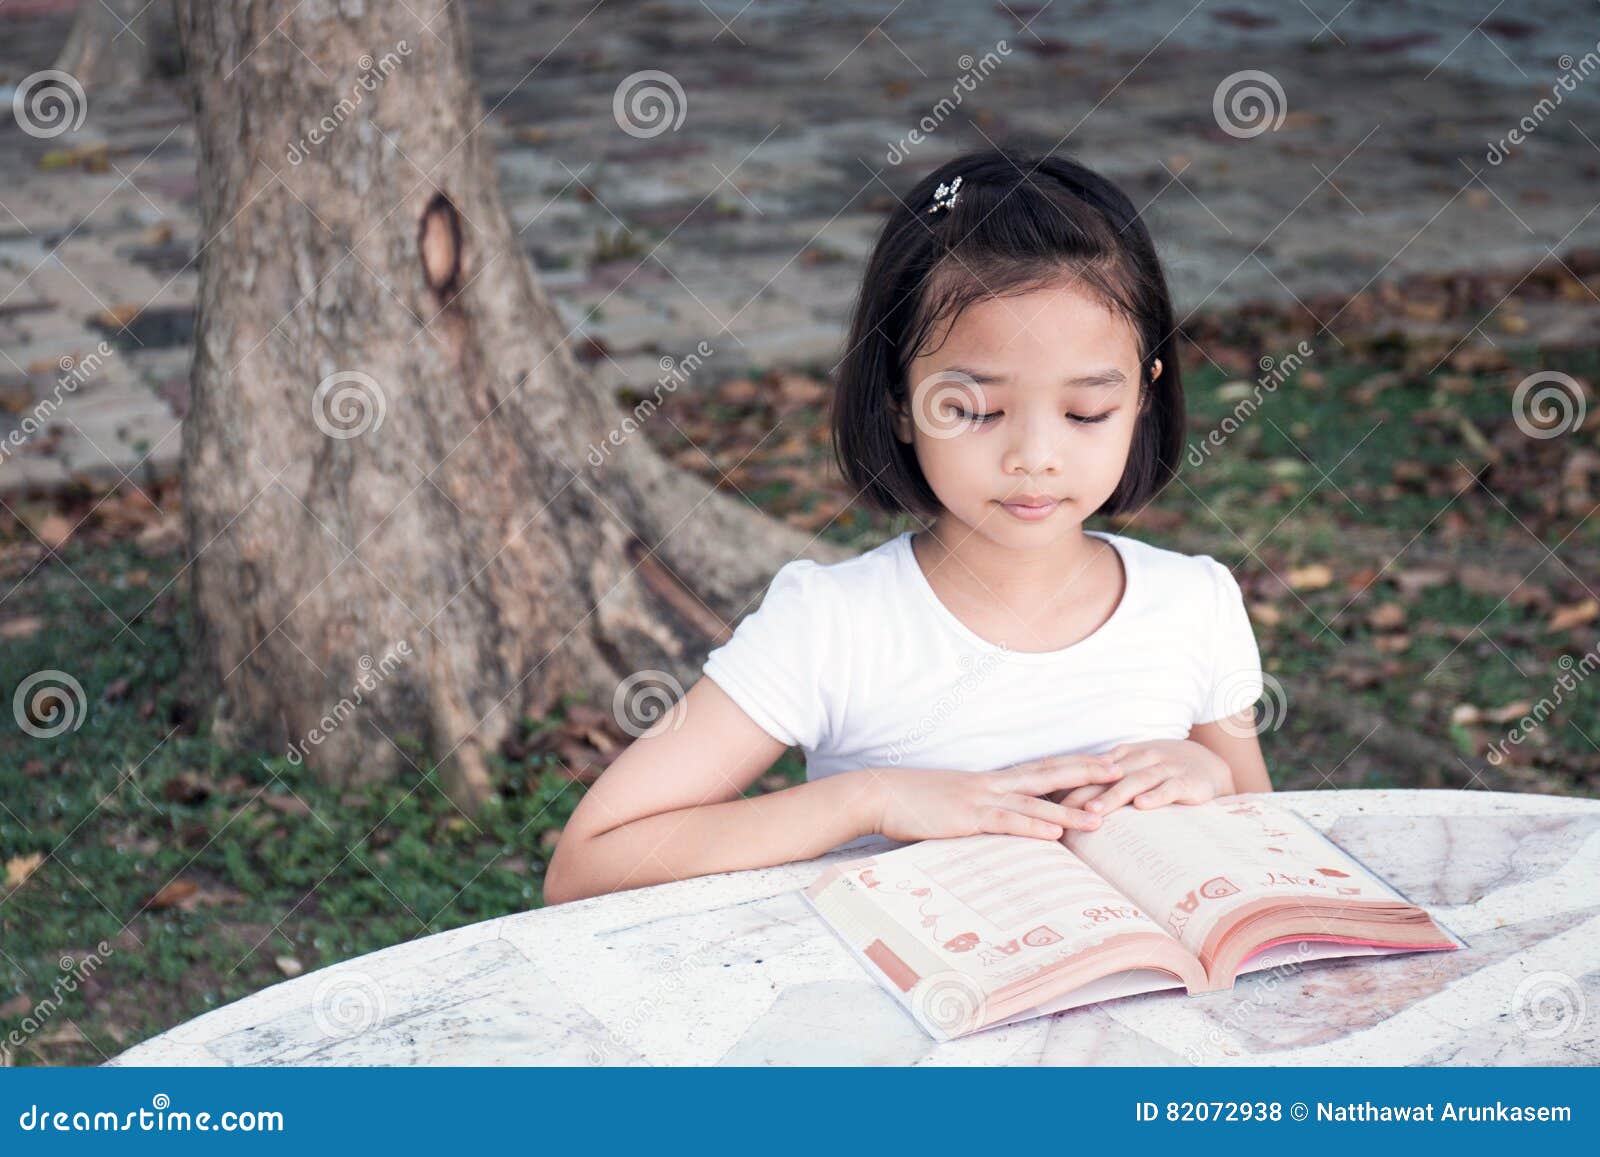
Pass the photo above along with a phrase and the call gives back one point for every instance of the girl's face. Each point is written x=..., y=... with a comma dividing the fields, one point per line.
x=1023, y=416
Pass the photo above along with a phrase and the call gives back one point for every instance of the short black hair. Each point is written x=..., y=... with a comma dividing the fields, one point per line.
x=1019, y=222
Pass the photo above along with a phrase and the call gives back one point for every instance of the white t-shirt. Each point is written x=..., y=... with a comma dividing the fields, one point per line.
x=859, y=664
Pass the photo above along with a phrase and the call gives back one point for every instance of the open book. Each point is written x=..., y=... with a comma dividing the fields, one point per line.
x=985, y=930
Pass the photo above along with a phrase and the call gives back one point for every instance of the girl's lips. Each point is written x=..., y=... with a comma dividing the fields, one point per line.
x=1030, y=513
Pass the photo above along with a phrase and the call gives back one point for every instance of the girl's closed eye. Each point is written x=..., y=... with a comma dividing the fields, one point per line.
x=1082, y=419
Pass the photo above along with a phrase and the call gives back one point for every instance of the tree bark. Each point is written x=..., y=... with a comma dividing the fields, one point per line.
x=389, y=438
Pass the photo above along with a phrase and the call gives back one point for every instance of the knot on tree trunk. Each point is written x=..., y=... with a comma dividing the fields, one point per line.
x=439, y=242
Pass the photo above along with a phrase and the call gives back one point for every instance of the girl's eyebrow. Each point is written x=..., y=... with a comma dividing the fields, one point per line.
x=1108, y=377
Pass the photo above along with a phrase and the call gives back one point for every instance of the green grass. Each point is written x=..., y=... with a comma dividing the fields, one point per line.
x=1465, y=647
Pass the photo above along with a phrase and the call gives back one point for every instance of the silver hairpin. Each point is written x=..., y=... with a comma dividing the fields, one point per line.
x=944, y=197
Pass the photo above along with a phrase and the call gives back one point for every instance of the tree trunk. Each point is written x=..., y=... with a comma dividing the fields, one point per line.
x=115, y=43
x=397, y=525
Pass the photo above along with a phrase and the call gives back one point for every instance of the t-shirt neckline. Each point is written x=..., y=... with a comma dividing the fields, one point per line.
x=1120, y=611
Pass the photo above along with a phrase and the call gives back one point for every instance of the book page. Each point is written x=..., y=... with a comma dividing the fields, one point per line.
x=996, y=908
x=1190, y=865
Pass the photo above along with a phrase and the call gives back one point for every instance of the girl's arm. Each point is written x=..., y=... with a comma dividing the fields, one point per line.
x=670, y=807
x=1234, y=739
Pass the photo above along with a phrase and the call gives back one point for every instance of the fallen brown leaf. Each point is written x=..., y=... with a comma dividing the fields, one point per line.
x=1310, y=578
x=1387, y=617
x=19, y=868
x=1266, y=614
x=186, y=788
x=1509, y=712
x=289, y=805
x=173, y=894
x=21, y=627
x=1414, y=580
x=1575, y=615
x=53, y=530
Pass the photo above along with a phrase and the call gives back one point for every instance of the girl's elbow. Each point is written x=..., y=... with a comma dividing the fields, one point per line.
x=560, y=884
x=554, y=890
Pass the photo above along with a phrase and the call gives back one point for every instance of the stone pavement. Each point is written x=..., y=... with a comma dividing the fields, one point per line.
x=745, y=220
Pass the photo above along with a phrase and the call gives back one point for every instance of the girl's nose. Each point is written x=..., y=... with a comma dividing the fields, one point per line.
x=1035, y=448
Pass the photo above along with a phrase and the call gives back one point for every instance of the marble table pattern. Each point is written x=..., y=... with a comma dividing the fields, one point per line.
x=735, y=969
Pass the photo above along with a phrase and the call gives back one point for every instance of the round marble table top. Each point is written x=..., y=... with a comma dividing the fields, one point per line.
x=736, y=969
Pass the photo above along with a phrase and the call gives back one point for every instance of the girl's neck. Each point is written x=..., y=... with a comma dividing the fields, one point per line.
x=966, y=559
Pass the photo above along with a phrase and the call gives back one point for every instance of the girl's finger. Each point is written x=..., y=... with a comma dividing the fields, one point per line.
x=1063, y=772
x=1052, y=813
x=1051, y=763
x=1165, y=792
x=1079, y=796
x=1191, y=789
x=1028, y=766
x=1139, y=760
x=1125, y=789
x=1005, y=822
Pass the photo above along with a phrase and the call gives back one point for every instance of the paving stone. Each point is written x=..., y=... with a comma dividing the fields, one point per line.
x=759, y=210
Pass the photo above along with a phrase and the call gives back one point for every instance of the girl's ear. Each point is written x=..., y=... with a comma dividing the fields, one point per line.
x=1144, y=393
x=900, y=419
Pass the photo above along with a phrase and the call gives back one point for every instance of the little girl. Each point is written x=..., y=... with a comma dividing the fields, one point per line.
x=1011, y=371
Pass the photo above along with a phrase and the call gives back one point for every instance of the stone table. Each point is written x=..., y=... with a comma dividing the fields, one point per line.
x=736, y=969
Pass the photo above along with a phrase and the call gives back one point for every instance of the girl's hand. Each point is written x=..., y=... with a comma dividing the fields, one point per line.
x=913, y=804
x=1159, y=772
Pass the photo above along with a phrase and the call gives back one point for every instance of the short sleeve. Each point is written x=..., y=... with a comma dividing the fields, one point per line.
x=1235, y=660
x=774, y=664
